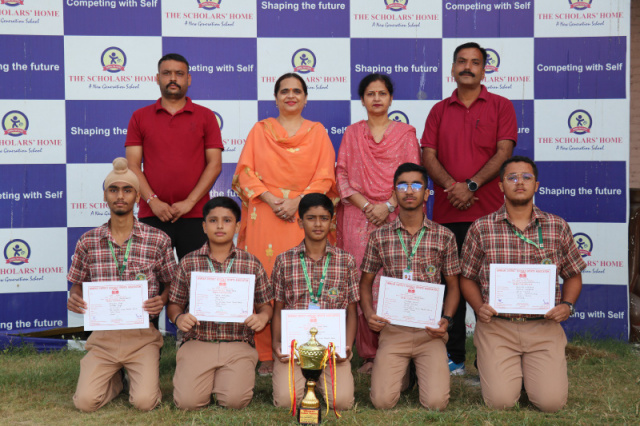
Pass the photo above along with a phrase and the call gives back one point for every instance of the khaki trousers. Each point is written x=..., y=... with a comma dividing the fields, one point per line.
x=108, y=351
x=509, y=352
x=397, y=346
x=344, y=385
x=226, y=369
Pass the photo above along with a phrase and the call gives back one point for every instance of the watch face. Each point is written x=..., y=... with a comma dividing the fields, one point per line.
x=472, y=185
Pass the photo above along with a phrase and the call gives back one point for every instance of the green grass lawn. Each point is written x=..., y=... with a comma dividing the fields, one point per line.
x=604, y=377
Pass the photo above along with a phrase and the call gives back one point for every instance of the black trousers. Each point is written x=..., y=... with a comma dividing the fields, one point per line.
x=458, y=333
x=186, y=233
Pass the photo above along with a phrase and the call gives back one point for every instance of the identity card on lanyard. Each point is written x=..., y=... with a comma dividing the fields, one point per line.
x=407, y=274
x=314, y=299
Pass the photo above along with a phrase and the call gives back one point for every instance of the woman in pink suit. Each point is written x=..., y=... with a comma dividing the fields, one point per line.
x=370, y=152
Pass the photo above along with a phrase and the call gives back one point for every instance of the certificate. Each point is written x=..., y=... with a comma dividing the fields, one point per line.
x=221, y=297
x=115, y=305
x=522, y=289
x=331, y=325
x=410, y=303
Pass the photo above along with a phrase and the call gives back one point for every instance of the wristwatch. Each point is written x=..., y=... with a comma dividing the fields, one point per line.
x=390, y=207
x=473, y=187
x=448, y=318
x=570, y=305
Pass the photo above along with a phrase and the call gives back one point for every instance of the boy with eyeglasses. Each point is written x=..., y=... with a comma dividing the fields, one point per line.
x=515, y=348
x=411, y=247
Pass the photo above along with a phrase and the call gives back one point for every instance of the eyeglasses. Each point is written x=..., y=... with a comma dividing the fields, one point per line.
x=404, y=187
x=520, y=177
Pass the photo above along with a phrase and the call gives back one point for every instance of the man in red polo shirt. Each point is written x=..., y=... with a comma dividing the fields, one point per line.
x=466, y=139
x=181, y=147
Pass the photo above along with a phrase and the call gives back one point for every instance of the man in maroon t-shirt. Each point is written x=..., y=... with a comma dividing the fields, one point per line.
x=466, y=139
x=181, y=146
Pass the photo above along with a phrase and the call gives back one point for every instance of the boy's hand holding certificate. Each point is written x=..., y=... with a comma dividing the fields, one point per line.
x=410, y=303
x=115, y=305
x=221, y=297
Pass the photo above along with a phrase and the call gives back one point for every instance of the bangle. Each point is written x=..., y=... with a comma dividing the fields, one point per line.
x=365, y=205
x=175, y=320
x=151, y=197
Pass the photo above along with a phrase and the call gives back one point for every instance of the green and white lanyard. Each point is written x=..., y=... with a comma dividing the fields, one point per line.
x=315, y=298
x=539, y=245
x=212, y=269
x=122, y=267
x=415, y=246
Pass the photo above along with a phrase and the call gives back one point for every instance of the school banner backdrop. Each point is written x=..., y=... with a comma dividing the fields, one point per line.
x=73, y=71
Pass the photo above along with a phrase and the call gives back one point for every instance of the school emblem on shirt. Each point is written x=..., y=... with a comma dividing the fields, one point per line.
x=333, y=293
x=303, y=61
x=17, y=252
x=219, y=119
x=113, y=59
x=398, y=116
x=580, y=4
x=15, y=123
x=584, y=244
x=396, y=5
x=140, y=277
x=431, y=270
x=580, y=122
x=546, y=261
x=493, y=62
x=209, y=4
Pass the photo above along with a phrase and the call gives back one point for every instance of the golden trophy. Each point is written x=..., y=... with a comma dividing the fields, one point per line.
x=310, y=356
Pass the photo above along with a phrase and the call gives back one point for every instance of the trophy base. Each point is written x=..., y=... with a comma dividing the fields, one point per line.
x=309, y=416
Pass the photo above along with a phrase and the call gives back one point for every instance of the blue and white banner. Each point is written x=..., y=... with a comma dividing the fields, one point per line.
x=73, y=71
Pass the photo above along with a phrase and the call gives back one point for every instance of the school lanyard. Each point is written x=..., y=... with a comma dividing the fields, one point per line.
x=212, y=269
x=314, y=299
x=122, y=267
x=415, y=246
x=540, y=245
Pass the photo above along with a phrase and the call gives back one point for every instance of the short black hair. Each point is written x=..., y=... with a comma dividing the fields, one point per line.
x=411, y=167
x=315, y=199
x=470, y=45
x=225, y=202
x=173, y=57
x=519, y=159
x=290, y=75
x=367, y=80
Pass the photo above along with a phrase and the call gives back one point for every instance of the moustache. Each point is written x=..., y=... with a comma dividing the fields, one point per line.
x=175, y=84
x=466, y=73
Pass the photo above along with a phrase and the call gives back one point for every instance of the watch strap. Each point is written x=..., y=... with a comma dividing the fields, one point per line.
x=570, y=305
x=448, y=318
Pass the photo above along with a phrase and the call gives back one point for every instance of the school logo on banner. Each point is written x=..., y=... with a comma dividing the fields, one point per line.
x=17, y=252
x=113, y=59
x=209, y=5
x=493, y=62
x=399, y=116
x=12, y=3
x=584, y=244
x=580, y=122
x=303, y=61
x=220, y=120
x=396, y=5
x=580, y=4
x=15, y=123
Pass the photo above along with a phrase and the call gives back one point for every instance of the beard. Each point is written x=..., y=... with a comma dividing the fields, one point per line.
x=520, y=202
